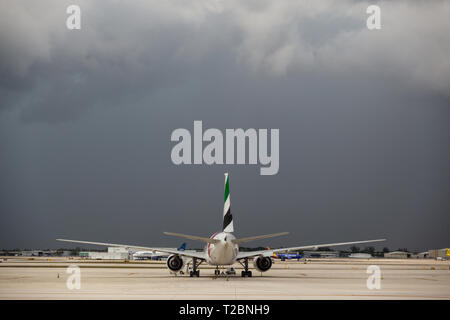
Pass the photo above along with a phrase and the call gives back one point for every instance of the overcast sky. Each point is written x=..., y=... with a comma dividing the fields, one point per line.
x=86, y=117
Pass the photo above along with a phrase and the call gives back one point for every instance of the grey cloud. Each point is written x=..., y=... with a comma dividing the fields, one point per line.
x=135, y=48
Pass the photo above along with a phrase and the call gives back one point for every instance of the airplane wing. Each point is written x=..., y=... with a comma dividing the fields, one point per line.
x=270, y=252
x=191, y=254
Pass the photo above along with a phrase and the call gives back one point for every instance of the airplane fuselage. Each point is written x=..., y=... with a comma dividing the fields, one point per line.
x=224, y=252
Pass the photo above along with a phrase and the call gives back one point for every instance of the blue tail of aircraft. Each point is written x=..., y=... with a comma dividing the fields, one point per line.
x=182, y=247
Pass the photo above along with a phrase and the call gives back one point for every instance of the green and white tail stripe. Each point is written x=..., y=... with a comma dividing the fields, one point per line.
x=227, y=217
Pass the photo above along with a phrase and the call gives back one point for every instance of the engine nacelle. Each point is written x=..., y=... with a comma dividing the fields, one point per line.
x=262, y=264
x=175, y=263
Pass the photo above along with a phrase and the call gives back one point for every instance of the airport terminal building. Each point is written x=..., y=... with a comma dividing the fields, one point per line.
x=113, y=253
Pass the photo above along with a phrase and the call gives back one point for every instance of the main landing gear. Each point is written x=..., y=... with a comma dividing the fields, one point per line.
x=217, y=271
x=245, y=272
x=195, y=272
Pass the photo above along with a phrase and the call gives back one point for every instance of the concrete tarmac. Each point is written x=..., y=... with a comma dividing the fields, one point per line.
x=45, y=278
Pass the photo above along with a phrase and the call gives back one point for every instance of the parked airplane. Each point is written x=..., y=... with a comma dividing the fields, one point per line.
x=222, y=248
x=150, y=255
x=284, y=256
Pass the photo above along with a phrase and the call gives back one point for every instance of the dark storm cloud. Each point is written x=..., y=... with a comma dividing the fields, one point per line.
x=86, y=118
x=53, y=73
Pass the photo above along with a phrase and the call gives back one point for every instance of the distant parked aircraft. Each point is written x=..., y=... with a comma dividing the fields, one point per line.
x=286, y=256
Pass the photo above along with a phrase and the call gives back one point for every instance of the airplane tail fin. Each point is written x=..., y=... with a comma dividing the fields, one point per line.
x=227, y=217
x=182, y=247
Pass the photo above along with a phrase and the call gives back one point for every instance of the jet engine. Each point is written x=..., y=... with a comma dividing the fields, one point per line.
x=175, y=263
x=262, y=263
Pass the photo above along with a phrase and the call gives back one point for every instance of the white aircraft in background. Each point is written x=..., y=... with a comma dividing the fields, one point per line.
x=222, y=248
x=149, y=255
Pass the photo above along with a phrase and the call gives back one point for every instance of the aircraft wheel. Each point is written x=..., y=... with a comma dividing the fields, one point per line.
x=246, y=273
x=194, y=273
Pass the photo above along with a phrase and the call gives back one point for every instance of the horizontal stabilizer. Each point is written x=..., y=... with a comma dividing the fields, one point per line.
x=259, y=237
x=186, y=236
